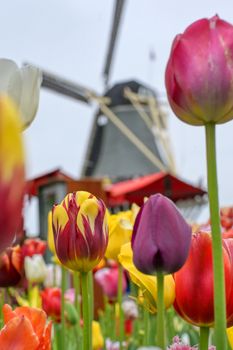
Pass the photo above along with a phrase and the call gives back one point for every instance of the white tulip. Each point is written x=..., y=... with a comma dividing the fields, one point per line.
x=23, y=86
x=35, y=268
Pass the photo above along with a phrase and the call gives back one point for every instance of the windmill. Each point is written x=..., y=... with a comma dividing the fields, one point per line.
x=129, y=136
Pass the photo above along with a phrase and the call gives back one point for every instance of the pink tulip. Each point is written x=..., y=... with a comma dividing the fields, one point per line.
x=108, y=279
x=199, y=73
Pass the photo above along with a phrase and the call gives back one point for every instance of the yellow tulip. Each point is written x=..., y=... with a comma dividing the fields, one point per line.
x=120, y=232
x=97, y=337
x=230, y=336
x=146, y=283
x=12, y=183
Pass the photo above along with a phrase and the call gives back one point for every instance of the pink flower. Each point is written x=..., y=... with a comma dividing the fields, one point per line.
x=108, y=279
x=199, y=73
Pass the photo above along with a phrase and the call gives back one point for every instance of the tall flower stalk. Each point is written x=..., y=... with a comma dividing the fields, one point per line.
x=200, y=91
x=219, y=285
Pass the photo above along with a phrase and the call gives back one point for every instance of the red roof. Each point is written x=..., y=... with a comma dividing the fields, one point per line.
x=55, y=175
x=134, y=191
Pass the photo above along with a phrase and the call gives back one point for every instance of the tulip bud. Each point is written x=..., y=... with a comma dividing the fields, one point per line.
x=51, y=303
x=161, y=237
x=108, y=279
x=32, y=246
x=199, y=73
x=23, y=86
x=197, y=273
x=11, y=264
x=35, y=268
x=80, y=231
x=11, y=173
x=97, y=337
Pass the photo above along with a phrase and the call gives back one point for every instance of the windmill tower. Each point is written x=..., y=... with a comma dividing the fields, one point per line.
x=129, y=136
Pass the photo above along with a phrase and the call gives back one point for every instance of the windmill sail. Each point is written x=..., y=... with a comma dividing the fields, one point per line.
x=110, y=152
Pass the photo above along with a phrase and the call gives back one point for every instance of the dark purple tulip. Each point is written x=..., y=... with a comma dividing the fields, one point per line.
x=161, y=237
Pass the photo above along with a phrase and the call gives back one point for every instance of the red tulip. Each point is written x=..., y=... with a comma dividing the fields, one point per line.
x=108, y=279
x=11, y=265
x=51, y=302
x=194, y=282
x=33, y=246
x=80, y=231
x=25, y=329
x=199, y=73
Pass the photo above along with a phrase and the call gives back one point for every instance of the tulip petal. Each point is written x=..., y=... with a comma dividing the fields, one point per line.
x=18, y=335
x=7, y=69
x=88, y=210
x=29, y=100
x=147, y=283
x=37, y=318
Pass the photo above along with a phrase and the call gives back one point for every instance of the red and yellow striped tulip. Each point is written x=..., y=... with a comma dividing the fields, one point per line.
x=80, y=231
x=11, y=172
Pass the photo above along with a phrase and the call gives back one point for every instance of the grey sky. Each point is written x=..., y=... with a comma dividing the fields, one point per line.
x=70, y=38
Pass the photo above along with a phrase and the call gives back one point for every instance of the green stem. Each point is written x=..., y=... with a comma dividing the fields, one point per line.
x=77, y=303
x=91, y=298
x=219, y=285
x=87, y=341
x=121, y=315
x=146, y=316
x=204, y=338
x=160, y=311
x=63, y=326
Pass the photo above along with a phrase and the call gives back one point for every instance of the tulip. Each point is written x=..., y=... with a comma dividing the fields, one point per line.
x=161, y=237
x=11, y=264
x=120, y=232
x=146, y=283
x=11, y=173
x=51, y=303
x=35, y=268
x=197, y=273
x=108, y=279
x=23, y=86
x=97, y=337
x=33, y=246
x=199, y=73
x=130, y=309
x=80, y=231
x=25, y=328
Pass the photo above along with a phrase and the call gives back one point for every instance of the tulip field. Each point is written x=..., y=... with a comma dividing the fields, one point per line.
x=143, y=278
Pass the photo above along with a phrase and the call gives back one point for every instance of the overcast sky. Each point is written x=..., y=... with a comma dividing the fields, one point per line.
x=70, y=37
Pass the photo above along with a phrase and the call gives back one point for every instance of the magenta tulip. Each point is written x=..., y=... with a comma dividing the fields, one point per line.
x=161, y=237
x=199, y=73
x=108, y=279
